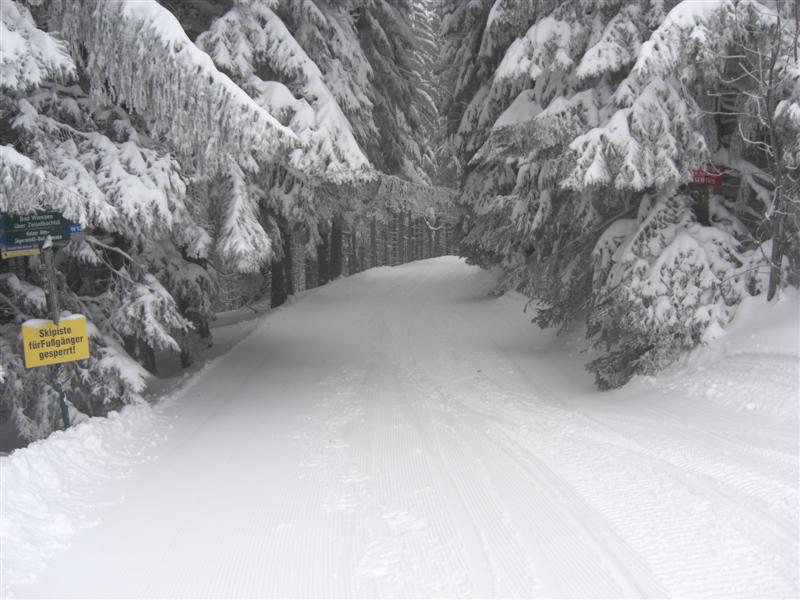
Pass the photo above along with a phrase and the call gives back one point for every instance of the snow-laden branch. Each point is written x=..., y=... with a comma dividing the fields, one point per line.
x=251, y=35
x=139, y=56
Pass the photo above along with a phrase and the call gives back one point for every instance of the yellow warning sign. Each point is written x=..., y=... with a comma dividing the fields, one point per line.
x=46, y=343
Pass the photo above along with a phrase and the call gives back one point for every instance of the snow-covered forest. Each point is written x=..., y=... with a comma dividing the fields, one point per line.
x=580, y=125
x=220, y=153
x=216, y=154
x=400, y=298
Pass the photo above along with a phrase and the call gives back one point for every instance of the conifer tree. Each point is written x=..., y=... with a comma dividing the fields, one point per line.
x=581, y=147
x=113, y=127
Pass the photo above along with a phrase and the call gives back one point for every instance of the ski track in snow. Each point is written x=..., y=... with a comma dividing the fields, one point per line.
x=402, y=433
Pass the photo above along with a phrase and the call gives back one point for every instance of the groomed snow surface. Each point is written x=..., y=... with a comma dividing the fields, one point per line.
x=404, y=433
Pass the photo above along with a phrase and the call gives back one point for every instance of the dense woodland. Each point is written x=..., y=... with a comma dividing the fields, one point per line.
x=219, y=153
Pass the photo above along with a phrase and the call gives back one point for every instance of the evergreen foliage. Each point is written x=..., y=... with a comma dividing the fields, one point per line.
x=194, y=165
x=294, y=141
x=582, y=131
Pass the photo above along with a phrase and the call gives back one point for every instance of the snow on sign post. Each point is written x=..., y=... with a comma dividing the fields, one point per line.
x=708, y=175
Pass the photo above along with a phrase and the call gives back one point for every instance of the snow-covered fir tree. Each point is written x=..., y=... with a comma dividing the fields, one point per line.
x=185, y=163
x=582, y=143
x=287, y=142
x=354, y=79
x=118, y=145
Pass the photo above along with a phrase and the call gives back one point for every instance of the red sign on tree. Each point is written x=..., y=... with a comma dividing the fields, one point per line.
x=709, y=175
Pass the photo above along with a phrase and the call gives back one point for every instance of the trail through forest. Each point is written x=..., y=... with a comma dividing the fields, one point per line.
x=404, y=433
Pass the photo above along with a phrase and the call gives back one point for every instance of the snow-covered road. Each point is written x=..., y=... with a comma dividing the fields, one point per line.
x=403, y=433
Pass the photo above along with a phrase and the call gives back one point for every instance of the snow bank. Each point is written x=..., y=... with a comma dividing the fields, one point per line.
x=751, y=366
x=51, y=489
x=402, y=433
x=762, y=328
x=54, y=487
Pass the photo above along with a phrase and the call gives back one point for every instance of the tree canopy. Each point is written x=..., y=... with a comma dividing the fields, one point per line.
x=200, y=144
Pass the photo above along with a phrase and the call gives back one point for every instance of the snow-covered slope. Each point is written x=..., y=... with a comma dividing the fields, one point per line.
x=403, y=433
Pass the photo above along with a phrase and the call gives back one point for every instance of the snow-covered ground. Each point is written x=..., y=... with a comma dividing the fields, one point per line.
x=403, y=433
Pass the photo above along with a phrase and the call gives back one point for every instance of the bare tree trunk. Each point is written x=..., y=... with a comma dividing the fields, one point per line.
x=412, y=238
x=298, y=260
x=323, y=259
x=395, y=238
x=429, y=240
x=148, y=356
x=278, y=285
x=312, y=272
x=282, y=272
x=363, y=256
x=336, y=247
x=776, y=259
x=265, y=290
x=187, y=356
x=373, y=243
x=385, y=235
x=352, y=261
x=402, y=236
x=778, y=210
x=347, y=267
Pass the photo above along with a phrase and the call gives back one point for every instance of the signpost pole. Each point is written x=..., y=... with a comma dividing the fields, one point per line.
x=52, y=283
x=64, y=409
x=55, y=311
x=62, y=376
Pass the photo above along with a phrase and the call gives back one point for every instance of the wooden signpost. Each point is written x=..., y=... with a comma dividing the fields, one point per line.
x=56, y=341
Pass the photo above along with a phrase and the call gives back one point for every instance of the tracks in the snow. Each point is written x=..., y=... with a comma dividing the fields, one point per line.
x=393, y=435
